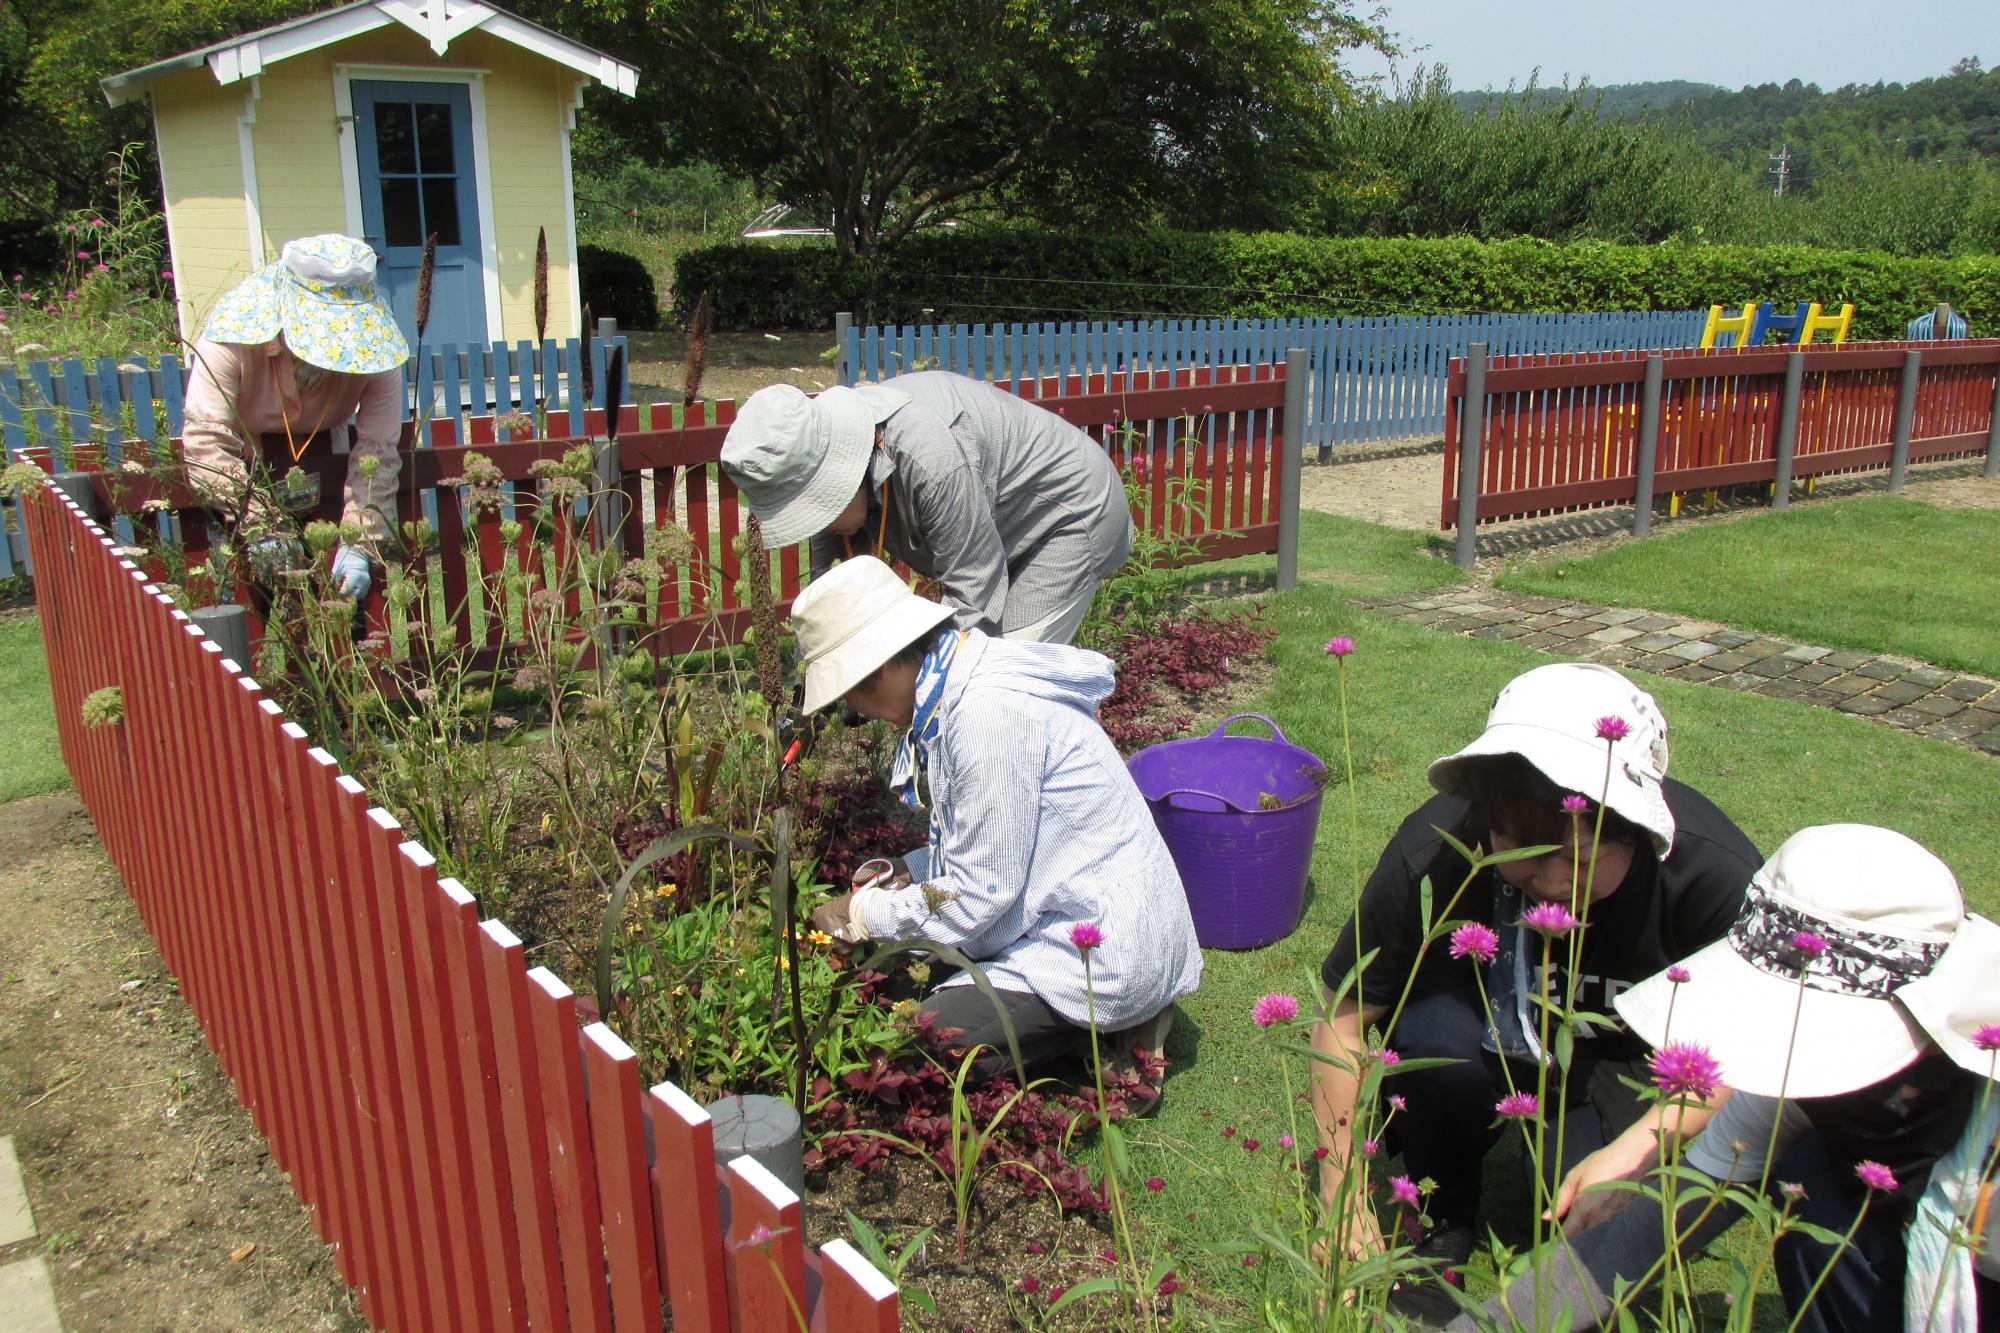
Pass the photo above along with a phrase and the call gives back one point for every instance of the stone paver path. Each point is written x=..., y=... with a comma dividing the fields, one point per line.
x=1928, y=700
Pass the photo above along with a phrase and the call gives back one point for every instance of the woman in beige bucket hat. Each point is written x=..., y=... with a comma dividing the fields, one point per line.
x=1016, y=514
x=1036, y=828
x=1854, y=1009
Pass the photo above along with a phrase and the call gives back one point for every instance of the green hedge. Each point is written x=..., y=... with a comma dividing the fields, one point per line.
x=617, y=284
x=1020, y=275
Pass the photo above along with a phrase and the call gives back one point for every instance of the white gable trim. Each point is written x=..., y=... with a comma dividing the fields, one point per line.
x=246, y=151
x=438, y=22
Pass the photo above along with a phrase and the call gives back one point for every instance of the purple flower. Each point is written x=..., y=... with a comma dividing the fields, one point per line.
x=1169, y=1284
x=1876, y=1176
x=1319, y=1154
x=1252, y=1145
x=1613, y=728
x=1809, y=944
x=1403, y=1190
x=1574, y=804
x=1285, y=1140
x=1388, y=1057
x=1987, y=1037
x=1055, y=1294
x=1369, y=1147
x=1339, y=646
x=1519, y=1106
x=759, y=1235
x=1229, y=1131
x=1279, y=1008
x=1677, y=974
x=1473, y=940
x=1031, y=1284
x=1085, y=936
x=1549, y=919
x=1683, y=1069
x=1398, y=1103
x=1035, y=1247
x=1155, y=1184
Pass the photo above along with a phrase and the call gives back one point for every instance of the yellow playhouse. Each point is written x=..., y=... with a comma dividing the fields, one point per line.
x=389, y=120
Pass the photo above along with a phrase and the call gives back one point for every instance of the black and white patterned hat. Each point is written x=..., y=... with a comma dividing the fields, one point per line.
x=1852, y=951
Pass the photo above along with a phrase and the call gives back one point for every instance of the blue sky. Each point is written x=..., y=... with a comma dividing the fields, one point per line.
x=1487, y=43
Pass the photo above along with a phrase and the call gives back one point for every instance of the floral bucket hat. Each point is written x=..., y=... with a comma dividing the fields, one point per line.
x=321, y=295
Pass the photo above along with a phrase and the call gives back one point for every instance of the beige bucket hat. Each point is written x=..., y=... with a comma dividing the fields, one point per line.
x=852, y=619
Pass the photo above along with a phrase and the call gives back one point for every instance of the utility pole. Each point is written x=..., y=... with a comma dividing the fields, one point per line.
x=1783, y=170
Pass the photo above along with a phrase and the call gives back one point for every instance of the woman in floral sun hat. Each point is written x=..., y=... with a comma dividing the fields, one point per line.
x=1853, y=1011
x=303, y=347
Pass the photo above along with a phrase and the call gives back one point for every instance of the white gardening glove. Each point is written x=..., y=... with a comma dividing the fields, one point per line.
x=350, y=571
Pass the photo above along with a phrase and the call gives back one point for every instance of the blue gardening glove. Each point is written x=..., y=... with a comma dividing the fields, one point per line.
x=350, y=571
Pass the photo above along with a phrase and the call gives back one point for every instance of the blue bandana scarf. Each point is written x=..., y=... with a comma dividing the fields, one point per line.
x=913, y=753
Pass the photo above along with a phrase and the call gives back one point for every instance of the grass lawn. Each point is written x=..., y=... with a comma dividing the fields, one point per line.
x=30, y=762
x=1414, y=694
x=1880, y=573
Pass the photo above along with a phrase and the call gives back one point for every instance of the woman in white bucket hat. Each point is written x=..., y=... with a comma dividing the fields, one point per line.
x=1036, y=828
x=305, y=346
x=1016, y=514
x=1668, y=877
x=1854, y=1009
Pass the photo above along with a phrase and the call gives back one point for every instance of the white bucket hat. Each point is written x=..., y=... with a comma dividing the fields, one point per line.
x=852, y=619
x=321, y=295
x=1549, y=716
x=799, y=460
x=1902, y=964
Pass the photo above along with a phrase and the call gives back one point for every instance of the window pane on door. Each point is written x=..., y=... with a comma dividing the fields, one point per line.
x=395, y=145
x=402, y=218
x=441, y=209
x=434, y=138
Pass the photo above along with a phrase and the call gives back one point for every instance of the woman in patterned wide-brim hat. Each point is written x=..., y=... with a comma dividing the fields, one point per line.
x=303, y=347
x=1854, y=1012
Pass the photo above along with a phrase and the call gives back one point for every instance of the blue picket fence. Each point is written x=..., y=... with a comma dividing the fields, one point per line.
x=1370, y=378
x=121, y=405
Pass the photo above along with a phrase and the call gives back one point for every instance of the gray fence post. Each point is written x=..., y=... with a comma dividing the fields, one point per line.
x=230, y=629
x=1289, y=464
x=843, y=320
x=1906, y=416
x=1993, y=430
x=1648, y=463
x=1471, y=425
x=1788, y=430
x=76, y=485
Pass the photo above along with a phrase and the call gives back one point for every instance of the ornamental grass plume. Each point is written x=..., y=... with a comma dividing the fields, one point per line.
x=426, y=272
x=541, y=285
x=1278, y=1008
x=697, y=354
x=584, y=359
x=1086, y=935
x=1683, y=1069
x=1549, y=919
x=1475, y=940
x=1519, y=1106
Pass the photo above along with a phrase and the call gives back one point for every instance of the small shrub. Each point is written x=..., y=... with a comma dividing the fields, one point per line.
x=104, y=708
x=617, y=284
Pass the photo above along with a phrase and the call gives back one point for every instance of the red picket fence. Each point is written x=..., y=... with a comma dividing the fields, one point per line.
x=1223, y=428
x=474, y=1159
x=1561, y=433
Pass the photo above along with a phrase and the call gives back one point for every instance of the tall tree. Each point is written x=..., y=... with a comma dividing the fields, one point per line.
x=882, y=116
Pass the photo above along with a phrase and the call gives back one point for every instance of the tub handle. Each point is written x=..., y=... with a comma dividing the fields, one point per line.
x=1223, y=726
x=1167, y=798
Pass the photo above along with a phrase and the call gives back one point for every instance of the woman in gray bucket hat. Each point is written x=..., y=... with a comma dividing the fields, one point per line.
x=1015, y=513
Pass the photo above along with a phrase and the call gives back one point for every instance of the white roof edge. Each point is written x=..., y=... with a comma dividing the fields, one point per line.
x=247, y=56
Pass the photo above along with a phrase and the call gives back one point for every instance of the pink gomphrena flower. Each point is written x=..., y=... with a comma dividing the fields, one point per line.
x=759, y=1235
x=1249, y=1261
x=1575, y=805
x=1399, y=1103
x=1809, y=944
x=1474, y=940
x=1549, y=919
x=1875, y=1176
x=1677, y=974
x=1403, y=1190
x=1229, y=1131
x=1055, y=1294
x=83, y=254
x=1519, y=1106
x=1031, y=1284
x=1613, y=728
x=1169, y=1284
x=1388, y=1057
x=1155, y=1184
x=1278, y=1008
x=69, y=226
x=1683, y=1069
x=1286, y=1140
x=1339, y=646
x=1987, y=1037
x=1252, y=1145
x=1085, y=936
x=102, y=268
x=1035, y=1247
x=1320, y=1154
x=167, y=274
x=97, y=222
x=1369, y=1147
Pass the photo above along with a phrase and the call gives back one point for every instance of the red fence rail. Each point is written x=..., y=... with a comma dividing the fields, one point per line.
x=474, y=1159
x=1561, y=433
x=1224, y=429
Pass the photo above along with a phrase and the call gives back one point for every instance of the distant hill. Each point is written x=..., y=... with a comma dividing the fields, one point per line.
x=1626, y=101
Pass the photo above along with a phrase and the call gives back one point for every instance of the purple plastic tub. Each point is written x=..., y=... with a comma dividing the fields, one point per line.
x=1243, y=864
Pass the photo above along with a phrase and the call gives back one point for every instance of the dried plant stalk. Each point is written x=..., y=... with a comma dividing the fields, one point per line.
x=425, y=272
x=589, y=378
x=541, y=285
x=697, y=355
x=764, y=617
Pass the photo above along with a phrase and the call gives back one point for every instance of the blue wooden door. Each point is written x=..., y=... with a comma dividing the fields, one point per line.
x=414, y=150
